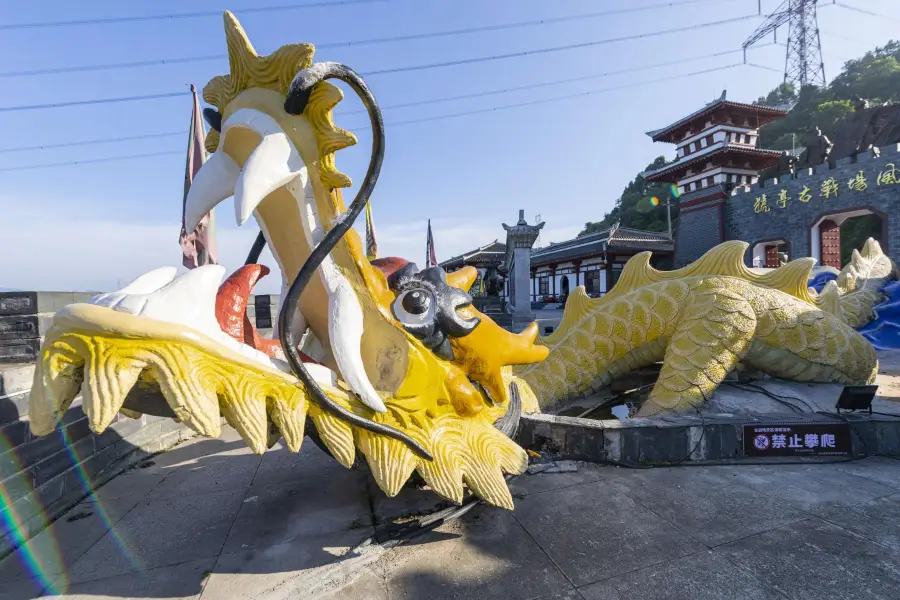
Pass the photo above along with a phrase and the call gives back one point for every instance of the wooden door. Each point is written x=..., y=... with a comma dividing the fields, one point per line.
x=772, y=261
x=830, y=240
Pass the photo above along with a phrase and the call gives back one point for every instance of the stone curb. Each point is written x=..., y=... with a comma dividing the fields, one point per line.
x=660, y=441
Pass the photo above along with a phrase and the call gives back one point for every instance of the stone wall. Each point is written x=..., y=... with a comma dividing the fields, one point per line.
x=699, y=230
x=23, y=318
x=791, y=219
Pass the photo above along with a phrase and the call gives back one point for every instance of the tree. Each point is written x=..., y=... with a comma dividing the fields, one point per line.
x=630, y=209
x=783, y=94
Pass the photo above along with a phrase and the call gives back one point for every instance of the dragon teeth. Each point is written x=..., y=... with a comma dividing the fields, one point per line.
x=213, y=183
x=290, y=421
x=345, y=329
x=274, y=162
x=106, y=385
x=194, y=405
x=247, y=414
x=54, y=389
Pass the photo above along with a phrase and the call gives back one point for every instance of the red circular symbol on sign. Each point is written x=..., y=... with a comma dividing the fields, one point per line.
x=761, y=442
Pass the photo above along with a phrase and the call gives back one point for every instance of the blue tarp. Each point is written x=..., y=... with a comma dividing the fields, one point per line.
x=884, y=331
x=818, y=281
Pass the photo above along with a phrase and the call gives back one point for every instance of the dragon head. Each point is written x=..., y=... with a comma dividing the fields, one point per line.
x=398, y=364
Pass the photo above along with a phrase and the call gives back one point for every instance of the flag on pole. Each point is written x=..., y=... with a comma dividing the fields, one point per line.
x=198, y=247
x=430, y=258
x=371, y=242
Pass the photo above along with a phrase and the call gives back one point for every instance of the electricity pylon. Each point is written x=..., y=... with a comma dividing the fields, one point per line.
x=803, y=64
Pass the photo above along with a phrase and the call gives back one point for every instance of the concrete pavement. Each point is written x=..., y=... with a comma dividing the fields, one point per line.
x=210, y=520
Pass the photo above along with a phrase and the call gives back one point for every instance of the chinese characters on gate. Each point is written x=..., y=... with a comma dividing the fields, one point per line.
x=830, y=188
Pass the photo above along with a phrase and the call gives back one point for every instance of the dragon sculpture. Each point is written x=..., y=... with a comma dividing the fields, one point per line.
x=388, y=361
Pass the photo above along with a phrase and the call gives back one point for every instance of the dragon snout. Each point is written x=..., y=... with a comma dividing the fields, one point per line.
x=427, y=307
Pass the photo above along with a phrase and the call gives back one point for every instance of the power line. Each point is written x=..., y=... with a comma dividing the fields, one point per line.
x=90, y=161
x=866, y=12
x=554, y=82
x=418, y=36
x=468, y=61
x=423, y=67
x=421, y=120
x=94, y=101
x=844, y=37
x=112, y=66
x=515, y=25
x=174, y=16
x=530, y=86
x=560, y=98
x=128, y=138
x=765, y=68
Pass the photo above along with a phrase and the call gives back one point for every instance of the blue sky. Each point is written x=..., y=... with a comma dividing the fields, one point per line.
x=96, y=226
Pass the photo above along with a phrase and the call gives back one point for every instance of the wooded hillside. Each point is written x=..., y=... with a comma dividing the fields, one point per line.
x=874, y=76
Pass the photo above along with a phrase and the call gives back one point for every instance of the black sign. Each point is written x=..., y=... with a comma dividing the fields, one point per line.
x=793, y=439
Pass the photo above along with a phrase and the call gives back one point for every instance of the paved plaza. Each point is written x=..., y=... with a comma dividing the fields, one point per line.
x=210, y=520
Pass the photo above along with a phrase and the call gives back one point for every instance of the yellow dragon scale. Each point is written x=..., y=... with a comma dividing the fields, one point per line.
x=702, y=319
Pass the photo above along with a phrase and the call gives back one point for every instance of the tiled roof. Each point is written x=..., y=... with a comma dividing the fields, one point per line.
x=624, y=237
x=768, y=110
x=494, y=251
x=612, y=238
x=717, y=148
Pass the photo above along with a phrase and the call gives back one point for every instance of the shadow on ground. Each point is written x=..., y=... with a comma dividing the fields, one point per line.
x=210, y=520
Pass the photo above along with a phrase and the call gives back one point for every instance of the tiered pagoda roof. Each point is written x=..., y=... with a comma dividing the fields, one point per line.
x=757, y=114
x=720, y=125
x=719, y=154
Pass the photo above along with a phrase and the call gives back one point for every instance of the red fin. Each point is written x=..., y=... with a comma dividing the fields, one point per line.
x=389, y=264
x=231, y=311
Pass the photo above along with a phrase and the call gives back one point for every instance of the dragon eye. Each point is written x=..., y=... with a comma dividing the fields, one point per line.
x=416, y=302
x=415, y=307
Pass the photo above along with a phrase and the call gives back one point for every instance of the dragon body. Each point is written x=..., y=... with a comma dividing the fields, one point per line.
x=385, y=362
x=700, y=321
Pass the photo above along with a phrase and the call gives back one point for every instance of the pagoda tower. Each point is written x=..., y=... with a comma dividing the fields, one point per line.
x=716, y=151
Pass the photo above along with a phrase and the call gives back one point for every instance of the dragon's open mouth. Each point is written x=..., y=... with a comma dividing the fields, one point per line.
x=398, y=365
x=263, y=169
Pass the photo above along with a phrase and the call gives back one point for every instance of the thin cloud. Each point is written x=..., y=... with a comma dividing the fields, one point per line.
x=67, y=254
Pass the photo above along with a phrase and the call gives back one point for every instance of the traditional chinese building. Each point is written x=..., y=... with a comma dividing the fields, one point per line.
x=594, y=261
x=488, y=259
x=802, y=214
x=716, y=151
x=852, y=183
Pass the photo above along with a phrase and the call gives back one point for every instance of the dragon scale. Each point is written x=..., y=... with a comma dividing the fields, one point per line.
x=705, y=318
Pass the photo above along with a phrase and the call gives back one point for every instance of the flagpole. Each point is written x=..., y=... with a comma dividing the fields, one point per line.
x=187, y=176
x=202, y=239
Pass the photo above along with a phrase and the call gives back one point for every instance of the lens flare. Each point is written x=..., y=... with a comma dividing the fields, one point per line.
x=674, y=189
x=41, y=568
x=44, y=561
x=98, y=506
x=654, y=201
